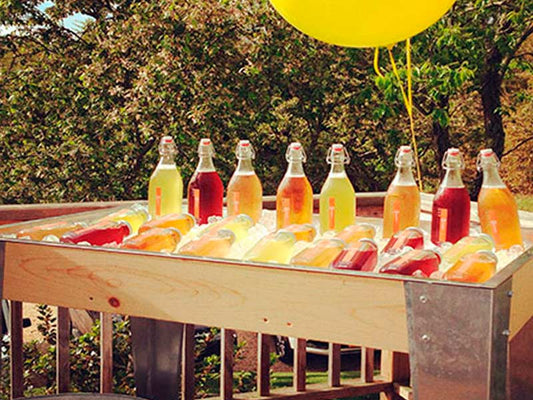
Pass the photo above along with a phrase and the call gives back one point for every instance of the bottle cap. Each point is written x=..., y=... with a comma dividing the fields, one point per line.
x=284, y=236
x=127, y=224
x=338, y=154
x=244, y=150
x=371, y=242
x=487, y=158
x=295, y=152
x=404, y=157
x=167, y=146
x=205, y=148
x=453, y=159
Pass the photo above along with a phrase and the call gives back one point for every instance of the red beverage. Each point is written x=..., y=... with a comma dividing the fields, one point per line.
x=410, y=237
x=363, y=256
x=104, y=232
x=425, y=261
x=451, y=215
x=205, y=195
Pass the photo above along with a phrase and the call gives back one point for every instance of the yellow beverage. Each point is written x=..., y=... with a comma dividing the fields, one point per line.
x=476, y=267
x=155, y=239
x=467, y=245
x=56, y=229
x=275, y=248
x=305, y=232
x=182, y=222
x=337, y=197
x=238, y=224
x=217, y=245
x=135, y=216
x=353, y=233
x=402, y=209
x=498, y=215
x=319, y=254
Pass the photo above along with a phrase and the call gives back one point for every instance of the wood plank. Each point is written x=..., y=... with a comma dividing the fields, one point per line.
x=226, y=367
x=367, y=364
x=361, y=308
x=62, y=350
x=263, y=364
x=394, y=368
x=522, y=297
x=334, y=364
x=106, y=353
x=17, y=359
x=320, y=391
x=300, y=365
x=187, y=369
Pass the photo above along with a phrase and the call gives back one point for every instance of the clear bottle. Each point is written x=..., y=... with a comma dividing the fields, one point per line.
x=245, y=193
x=337, y=197
x=217, y=245
x=275, y=247
x=402, y=202
x=319, y=254
x=497, y=209
x=165, y=191
x=205, y=191
x=136, y=215
x=451, y=206
x=294, y=198
x=155, y=239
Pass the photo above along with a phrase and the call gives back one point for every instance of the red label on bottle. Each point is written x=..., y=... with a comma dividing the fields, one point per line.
x=196, y=197
x=158, y=192
x=286, y=209
x=331, y=213
x=443, y=224
x=396, y=206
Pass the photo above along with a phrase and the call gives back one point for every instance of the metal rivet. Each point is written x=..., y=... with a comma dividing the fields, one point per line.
x=425, y=338
x=510, y=293
x=506, y=332
x=423, y=299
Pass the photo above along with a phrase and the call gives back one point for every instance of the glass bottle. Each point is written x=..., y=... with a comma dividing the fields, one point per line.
x=99, y=234
x=402, y=202
x=136, y=215
x=305, y=232
x=155, y=239
x=205, y=191
x=409, y=237
x=451, y=206
x=56, y=229
x=165, y=191
x=294, y=198
x=319, y=254
x=337, y=197
x=275, y=247
x=182, y=222
x=497, y=209
x=361, y=256
x=467, y=245
x=475, y=267
x=245, y=193
x=217, y=245
x=353, y=233
x=425, y=261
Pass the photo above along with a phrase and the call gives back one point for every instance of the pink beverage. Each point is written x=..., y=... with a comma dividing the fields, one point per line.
x=205, y=191
x=424, y=261
x=363, y=256
x=105, y=232
x=410, y=237
x=451, y=207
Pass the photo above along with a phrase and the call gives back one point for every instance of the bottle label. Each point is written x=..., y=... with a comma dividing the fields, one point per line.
x=158, y=195
x=493, y=226
x=331, y=213
x=236, y=196
x=286, y=209
x=196, y=197
x=443, y=224
x=396, y=206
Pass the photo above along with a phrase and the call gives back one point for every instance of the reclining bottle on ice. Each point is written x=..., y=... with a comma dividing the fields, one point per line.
x=244, y=189
x=337, y=197
x=451, y=207
x=294, y=199
x=497, y=209
x=205, y=191
x=165, y=191
x=402, y=202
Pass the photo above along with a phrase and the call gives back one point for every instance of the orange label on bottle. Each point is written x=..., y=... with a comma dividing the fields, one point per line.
x=286, y=209
x=443, y=224
x=158, y=193
x=236, y=199
x=196, y=197
x=331, y=213
x=396, y=206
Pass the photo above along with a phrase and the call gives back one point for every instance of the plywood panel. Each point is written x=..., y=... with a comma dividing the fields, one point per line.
x=522, y=298
x=340, y=307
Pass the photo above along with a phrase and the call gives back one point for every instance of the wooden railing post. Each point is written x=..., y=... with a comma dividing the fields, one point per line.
x=187, y=363
x=106, y=353
x=300, y=365
x=62, y=350
x=367, y=364
x=17, y=362
x=334, y=365
x=226, y=368
x=263, y=364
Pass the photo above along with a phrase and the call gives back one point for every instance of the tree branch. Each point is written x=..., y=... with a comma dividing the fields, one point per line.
x=520, y=144
x=505, y=65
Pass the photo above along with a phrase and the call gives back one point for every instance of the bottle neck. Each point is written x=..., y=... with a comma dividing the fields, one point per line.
x=337, y=168
x=167, y=159
x=404, y=176
x=245, y=166
x=205, y=164
x=491, y=177
x=295, y=168
x=453, y=178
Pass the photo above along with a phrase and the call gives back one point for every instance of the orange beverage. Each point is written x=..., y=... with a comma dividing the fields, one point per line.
x=319, y=254
x=305, y=232
x=245, y=193
x=294, y=199
x=155, y=239
x=217, y=245
x=402, y=202
x=353, y=233
x=475, y=267
x=56, y=229
x=182, y=222
x=497, y=209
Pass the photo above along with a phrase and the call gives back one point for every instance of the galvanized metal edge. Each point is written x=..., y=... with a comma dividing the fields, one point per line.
x=502, y=276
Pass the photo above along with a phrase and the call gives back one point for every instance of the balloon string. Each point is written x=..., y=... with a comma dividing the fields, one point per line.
x=376, y=63
x=408, y=101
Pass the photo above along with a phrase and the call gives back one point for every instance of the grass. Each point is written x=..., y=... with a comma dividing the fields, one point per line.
x=525, y=202
x=284, y=379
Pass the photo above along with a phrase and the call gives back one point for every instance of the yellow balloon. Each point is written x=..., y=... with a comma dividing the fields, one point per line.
x=362, y=23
